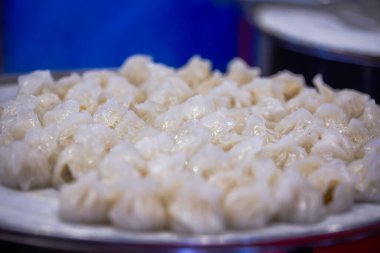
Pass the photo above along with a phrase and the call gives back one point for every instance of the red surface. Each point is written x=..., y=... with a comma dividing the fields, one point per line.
x=371, y=244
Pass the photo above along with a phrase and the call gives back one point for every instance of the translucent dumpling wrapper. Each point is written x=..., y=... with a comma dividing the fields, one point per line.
x=69, y=126
x=60, y=112
x=240, y=72
x=337, y=186
x=46, y=102
x=284, y=152
x=249, y=206
x=352, y=102
x=297, y=202
x=110, y=113
x=191, y=137
x=98, y=136
x=366, y=177
x=286, y=85
x=209, y=160
x=195, y=71
x=35, y=83
x=124, y=153
x=87, y=93
x=173, y=91
x=85, y=201
x=23, y=167
x=333, y=144
x=135, y=69
x=45, y=140
x=197, y=211
x=70, y=166
x=139, y=207
x=149, y=147
x=133, y=128
x=332, y=115
x=17, y=126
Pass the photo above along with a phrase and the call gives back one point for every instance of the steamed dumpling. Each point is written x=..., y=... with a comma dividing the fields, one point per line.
x=139, y=207
x=23, y=167
x=197, y=211
x=85, y=201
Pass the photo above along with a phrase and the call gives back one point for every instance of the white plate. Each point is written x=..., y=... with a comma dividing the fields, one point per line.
x=31, y=217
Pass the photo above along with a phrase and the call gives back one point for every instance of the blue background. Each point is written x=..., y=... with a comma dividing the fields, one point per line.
x=48, y=34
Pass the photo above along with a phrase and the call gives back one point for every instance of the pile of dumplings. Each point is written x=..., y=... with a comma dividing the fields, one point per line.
x=149, y=148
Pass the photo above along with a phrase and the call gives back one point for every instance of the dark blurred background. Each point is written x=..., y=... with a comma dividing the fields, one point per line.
x=70, y=34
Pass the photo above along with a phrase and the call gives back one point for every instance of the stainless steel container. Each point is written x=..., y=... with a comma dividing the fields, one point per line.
x=339, y=39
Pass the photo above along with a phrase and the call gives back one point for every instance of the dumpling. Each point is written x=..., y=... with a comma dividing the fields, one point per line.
x=239, y=71
x=23, y=167
x=248, y=206
x=271, y=109
x=352, y=102
x=70, y=166
x=96, y=136
x=366, y=175
x=45, y=140
x=139, y=207
x=332, y=115
x=17, y=126
x=110, y=113
x=246, y=149
x=122, y=91
x=371, y=118
x=323, y=89
x=86, y=93
x=135, y=69
x=307, y=165
x=265, y=171
x=195, y=71
x=228, y=95
x=308, y=98
x=191, y=137
x=196, y=211
x=296, y=201
x=209, y=160
x=167, y=163
x=333, y=180
x=284, y=152
x=170, y=120
x=126, y=153
x=299, y=119
x=218, y=123
x=255, y=125
x=46, y=102
x=18, y=117
x=70, y=124
x=358, y=134
x=34, y=83
x=60, y=112
x=226, y=181
x=286, y=85
x=197, y=107
x=149, y=147
x=333, y=144
x=65, y=83
x=259, y=88
x=133, y=128
x=85, y=201
x=24, y=104
x=171, y=92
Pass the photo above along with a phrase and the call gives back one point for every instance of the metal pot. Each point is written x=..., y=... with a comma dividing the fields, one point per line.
x=339, y=39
